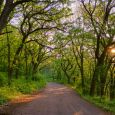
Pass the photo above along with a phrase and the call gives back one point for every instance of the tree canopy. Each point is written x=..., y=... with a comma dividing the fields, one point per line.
x=41, y=36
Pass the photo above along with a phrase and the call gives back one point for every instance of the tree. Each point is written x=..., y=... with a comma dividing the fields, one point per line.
x=6, y=8
x=41, y=18
x=104, y=38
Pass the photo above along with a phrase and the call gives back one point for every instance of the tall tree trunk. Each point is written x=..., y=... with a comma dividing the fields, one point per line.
x=82, y=73
x=1, y=3
x=112, y=83
x=68, y=77
x=17, y=72
x=6, y=11
x=26, y=64
x=8, y=8
x=93, y=81
x=96, y=74
x=17, y=53
x=103, y=78
x=9, y=68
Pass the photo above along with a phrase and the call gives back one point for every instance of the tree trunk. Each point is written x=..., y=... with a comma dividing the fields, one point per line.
x=82, y=73
x=68, y=77
x=8, y=8
x=93, y=82
x=1, y=3
x=103, y=79
x=17, y=53
x=9, y=68
x=103, y=75
x=112, y=88
x=112, y=83
x=26, y=64
x=17, y=73
x=97, y=71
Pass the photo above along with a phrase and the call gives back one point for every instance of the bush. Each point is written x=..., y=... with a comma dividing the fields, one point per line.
x=28, y=86
x=38, y=77
x=3, y=100
x=20, y=87
x=3, y=79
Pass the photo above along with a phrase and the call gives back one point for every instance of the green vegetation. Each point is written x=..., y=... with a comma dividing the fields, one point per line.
x=25, y=45
x=103, y=103
x=20, y=87
x=49, y=38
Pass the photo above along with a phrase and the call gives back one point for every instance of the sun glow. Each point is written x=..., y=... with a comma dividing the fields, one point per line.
x=113, y=50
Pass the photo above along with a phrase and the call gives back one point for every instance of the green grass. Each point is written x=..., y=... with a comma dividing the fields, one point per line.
x=20, y=87
x=103, y=103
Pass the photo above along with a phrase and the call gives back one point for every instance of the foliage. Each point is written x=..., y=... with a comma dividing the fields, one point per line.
x=25, y=44
x=20, y=87
x=3, y=79
x=103, y=103
x=44, y=39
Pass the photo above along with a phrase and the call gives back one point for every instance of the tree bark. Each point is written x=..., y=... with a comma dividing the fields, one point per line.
x=112, y=83
x=26, y=63
x=9, y=68
x=82, y=72
x=1, y=3
x=68, y=77
x=17, y=54
x=8, y=8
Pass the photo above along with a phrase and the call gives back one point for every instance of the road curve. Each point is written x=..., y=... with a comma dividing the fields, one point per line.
x=56, y=99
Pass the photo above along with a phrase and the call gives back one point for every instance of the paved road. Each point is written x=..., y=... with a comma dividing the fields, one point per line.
x=56, y=99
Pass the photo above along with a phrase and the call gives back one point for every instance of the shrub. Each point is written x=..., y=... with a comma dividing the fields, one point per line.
x=19, y=87
x=3, y=79
x=38, y=77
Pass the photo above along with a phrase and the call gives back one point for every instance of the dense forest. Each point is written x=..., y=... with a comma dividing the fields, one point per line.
x=44, y=40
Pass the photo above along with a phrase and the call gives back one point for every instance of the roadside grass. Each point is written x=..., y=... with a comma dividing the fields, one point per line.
x=20, y=87
x=104, y=103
